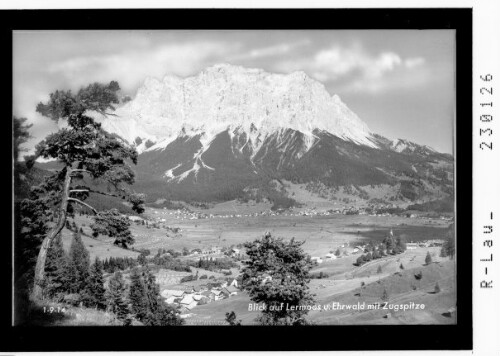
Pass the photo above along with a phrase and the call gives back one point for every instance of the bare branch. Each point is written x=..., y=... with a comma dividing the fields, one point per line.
x=104, y=193
x=84, y=204
x=78, y=190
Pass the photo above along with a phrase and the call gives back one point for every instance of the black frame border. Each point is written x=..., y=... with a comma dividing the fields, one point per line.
x=255, y=338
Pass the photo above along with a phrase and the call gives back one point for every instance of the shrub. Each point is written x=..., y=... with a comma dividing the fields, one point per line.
x=204, y=276
x=188, y=278
x=428, y=258
x=437, y=289
x=319, y=275
x=385, y=295
x=360, y=260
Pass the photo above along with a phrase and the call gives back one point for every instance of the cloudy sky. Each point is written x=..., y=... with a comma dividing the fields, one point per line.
x=401, y=83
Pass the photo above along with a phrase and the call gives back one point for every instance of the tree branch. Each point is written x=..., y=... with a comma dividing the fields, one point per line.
x=84, y=204
x=79, y=190
x=104, y=193
x=93, y=191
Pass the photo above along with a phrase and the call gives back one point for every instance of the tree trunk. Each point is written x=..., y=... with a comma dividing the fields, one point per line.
x=42, y=255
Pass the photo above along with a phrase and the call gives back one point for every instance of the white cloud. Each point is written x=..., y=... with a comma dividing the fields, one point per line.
x=353, y=66
x=274, y=50
x=414, y=62
x=131, y=67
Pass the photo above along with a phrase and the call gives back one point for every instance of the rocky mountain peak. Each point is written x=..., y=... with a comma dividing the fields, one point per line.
x=226, y=96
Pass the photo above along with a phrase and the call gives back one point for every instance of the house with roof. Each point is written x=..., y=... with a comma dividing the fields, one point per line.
x=330, y=256
x=223, y=284
x=191, y=305
x=167, y=293
x=411, y=245
x=170, y=300
x=208, y=294
x=217, y=294
x=215, y=250
x=204, y=300
x=225, y=293
x=188, y=299
x=197, y=297
x=233, y=282
x=232, y=290
x=317, y=259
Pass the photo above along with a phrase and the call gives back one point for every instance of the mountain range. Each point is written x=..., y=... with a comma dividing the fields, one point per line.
x=216, y=135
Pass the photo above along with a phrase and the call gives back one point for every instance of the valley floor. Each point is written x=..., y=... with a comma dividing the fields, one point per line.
x=322, y=235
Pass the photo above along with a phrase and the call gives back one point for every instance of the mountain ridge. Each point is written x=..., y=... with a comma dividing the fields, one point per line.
x=212, y=135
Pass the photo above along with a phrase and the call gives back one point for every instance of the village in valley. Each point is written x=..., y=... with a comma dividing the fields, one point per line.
x=207, y=245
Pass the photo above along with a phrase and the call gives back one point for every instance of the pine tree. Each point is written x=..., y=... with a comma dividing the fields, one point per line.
x=389, y=244
x=152, y=291
x=137, y=295
x=115, y=298
x=80, y=261
x=385, y=295
x=401, y=243
x=448, y=249
x=94, y=295
x=57, y=283
x=401, y=266
x=428, y=258
x=141, y=259
x=158, y=312
x=379, y=269
x=85, y=150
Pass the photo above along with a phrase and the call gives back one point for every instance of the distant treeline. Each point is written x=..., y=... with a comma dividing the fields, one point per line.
x=214, y=264
x=390, y=246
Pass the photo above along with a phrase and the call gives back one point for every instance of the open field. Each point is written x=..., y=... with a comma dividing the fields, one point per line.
x=102, y=247
x=321, y=233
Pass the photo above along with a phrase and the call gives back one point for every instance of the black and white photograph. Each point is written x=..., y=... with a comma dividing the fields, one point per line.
x=234, y=177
